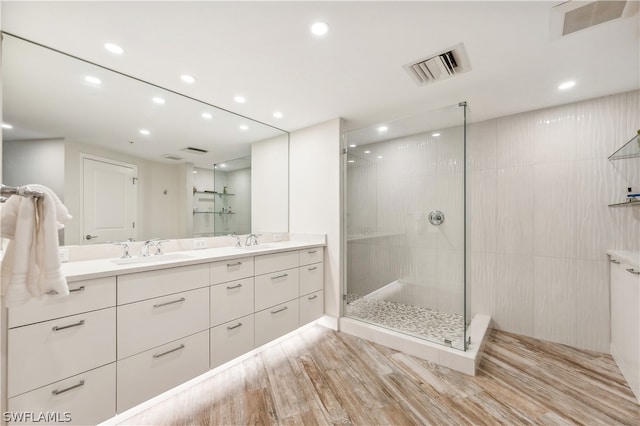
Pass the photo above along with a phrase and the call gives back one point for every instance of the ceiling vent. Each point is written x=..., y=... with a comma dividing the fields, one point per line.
x=573, y=16
x=439, y=66
x=193, y=150
x=171, y=157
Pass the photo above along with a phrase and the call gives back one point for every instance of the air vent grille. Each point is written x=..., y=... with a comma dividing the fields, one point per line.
x=439, y=66
x=573, y=16
x=193, y=150
x=172, y=157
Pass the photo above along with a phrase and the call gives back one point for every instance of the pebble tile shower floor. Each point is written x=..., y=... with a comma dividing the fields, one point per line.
x=424, y=323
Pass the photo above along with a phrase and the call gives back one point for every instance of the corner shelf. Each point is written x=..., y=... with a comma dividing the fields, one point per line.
x=631, y=149
x=629, y=203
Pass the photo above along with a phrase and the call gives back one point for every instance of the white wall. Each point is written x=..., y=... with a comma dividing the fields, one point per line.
x=539, y=186
x=314, y=197
x=269, y=183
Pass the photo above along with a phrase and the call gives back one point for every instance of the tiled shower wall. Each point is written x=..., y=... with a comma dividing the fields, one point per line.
x=539, y=226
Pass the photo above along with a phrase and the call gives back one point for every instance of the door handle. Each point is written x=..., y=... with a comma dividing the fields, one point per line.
x=89, y=237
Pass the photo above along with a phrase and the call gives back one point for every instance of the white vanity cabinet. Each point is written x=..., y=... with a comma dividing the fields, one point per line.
x=311, y=284
x=625, y=319
x=62, y=352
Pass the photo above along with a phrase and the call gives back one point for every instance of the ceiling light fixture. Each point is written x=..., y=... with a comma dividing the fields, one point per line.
x=7, y=126
x=244, y=127
x=188, y=78
x=383, y=128
x=114, y=48
x=351, y=161
x=567, y=85
x=435, y=135
x=367, y=152
x=240, y=99
x=158, y=100
x=319, y=28
x=223, y=165
x=379, y=156
x=277, y=114
x=352, y=145
x=207, y=115
x=144, y=132
x=93, y=80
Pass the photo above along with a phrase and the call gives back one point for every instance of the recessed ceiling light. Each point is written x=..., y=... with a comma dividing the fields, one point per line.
x=351, y=161
x=144, y=132
x=93, y=80
x=277, y=114
x=240, y=99
x=567, y=85
x=158, y=100
x=207, y=115
x=223, y=165
x=379, y=156
x=244, y=127
x=367, y=152
x=188, y=78
x=352, y=145
x=195, y=171
x=319, y=28
x=383, y=128
x=435, y=135
x=7, y=126
x=114, y=48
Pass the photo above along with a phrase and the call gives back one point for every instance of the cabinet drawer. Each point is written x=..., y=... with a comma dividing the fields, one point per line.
x=86, y=399
x=49, y=351
x=144, y=325
x=311, y=307
x=145, y=285
x=231, y=300
x=311, y=255
x=150, y=373
x=275, y=288
x=231, y=270
x=276, y=262
x=84, y=296
x=276, y=321
x=230, y=340
x=311, y=278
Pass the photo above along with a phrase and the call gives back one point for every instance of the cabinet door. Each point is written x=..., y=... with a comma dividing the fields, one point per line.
x=276, y=321
x=86, y=399
x=152, y=372
x=231, y=300
x=145, y=285
x=149, y=323
x=276, y=262
x=311, y=255
x=275, y=288
x=311, y=278
x=230, y=340
x=311, y=307
x=84, y=296
x=49, y=351
x=231, y=270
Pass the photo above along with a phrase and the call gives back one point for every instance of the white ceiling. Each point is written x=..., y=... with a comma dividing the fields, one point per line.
x=265, y=52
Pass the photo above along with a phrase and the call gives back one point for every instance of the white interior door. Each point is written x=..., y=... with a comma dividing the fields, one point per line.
x=109, y=199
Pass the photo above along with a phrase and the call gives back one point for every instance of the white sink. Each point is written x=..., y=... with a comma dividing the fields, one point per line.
x=254, y=247
x=149, y=259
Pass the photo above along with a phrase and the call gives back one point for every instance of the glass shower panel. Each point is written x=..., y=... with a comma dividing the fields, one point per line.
x=405, y=226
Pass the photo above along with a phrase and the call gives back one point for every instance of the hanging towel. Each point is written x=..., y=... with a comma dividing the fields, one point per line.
x=31, y=265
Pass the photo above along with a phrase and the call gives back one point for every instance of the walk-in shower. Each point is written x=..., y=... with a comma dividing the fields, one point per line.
x=404, y=189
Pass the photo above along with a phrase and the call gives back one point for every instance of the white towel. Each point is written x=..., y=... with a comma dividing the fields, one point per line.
x=31, y=265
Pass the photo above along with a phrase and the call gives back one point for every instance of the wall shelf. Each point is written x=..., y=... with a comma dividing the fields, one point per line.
x=629, y=203
x=630, y=149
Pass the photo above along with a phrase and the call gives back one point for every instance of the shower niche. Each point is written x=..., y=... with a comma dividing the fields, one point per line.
x=405, y=231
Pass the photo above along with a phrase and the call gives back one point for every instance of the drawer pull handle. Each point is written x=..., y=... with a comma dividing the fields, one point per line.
x=234, y=286
x=311, y=251
x=158, y=305
x=313, y=297
x=633, y=271
x=58, y=392
x=169, y=351
x=64, y=327
x=279, y=310
x=279, y=276
x=234, y=326
x=614, y=261
x=81, y=288
x=229, y=265
x=313, y=268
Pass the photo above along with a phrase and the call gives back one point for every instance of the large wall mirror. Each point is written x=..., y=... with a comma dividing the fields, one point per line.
x=133, y=160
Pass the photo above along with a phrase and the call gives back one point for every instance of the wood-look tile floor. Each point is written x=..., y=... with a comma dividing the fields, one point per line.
x=326, y=377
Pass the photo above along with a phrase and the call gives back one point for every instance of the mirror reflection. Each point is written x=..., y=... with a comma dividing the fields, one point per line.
x=125, y=155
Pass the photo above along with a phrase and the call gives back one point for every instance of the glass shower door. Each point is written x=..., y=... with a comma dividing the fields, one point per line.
x=405, y=226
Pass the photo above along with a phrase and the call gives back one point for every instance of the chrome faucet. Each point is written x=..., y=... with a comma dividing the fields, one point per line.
x=252, y=239
x=159, y=246
x=144, y=250
x=237, y=239
x=125, y=253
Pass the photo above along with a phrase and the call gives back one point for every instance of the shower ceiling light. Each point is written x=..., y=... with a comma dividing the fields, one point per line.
x=188, y=78
x=158, y=100
x=93, y=80
x=383, y=129
x=567, y=85
x=435, y=134
x=320, y=28
x=367, y=152
x=207, y=115
x=114, y=48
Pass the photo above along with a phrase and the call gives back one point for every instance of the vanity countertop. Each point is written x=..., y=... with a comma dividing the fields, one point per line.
x=631, y=258
x=98, y=268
